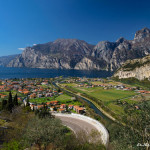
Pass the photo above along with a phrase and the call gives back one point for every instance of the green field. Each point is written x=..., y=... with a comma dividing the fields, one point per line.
x=106, y=95
x=70, y=84
x=63, y=99
x=41, y=100
x=109, y=97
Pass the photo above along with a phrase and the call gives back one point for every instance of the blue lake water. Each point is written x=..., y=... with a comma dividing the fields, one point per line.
x=7, y=73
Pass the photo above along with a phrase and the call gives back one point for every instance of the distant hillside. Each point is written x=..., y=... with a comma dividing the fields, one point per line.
x=137, y=68
x=78, y=54
x=5, y=60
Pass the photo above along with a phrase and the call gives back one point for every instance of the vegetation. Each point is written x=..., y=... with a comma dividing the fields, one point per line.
x=10, y=103
x=135, y=82
x=106, y=99
x=137, y=131
x=131, y=66
x=43, y=112
x=43, y=132
x=47, y=133
x=137, y=121
x=63, y=99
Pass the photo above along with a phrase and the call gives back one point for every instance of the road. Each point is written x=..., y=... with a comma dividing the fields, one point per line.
x=79, y=124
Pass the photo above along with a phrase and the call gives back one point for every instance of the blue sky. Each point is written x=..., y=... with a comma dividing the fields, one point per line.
x=27, y=22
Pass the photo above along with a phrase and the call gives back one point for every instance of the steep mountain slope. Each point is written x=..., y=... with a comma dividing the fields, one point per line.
x=60, y=54
x=116, y=53
x=4, y=60
x=137, y=68
x=77, y=54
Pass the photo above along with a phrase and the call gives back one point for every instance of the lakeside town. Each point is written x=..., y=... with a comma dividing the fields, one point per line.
x=39, y=92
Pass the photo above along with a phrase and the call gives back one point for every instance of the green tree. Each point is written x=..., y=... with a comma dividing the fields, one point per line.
x=12, y=145
x=15, y=102
x=10, y=102
x=44, y=112
x=43, y=132
x=59, y=90
x=4, y=104
x=67, y=108
x=28, y=104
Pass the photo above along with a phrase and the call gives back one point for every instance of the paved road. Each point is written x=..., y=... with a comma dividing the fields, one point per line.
x=79, y=123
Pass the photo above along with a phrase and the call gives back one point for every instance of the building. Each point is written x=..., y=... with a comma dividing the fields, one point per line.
x=70, y=106
x=63, y=106
x=61, y=110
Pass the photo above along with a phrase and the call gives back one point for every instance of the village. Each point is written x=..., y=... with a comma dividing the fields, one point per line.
x=39, y=92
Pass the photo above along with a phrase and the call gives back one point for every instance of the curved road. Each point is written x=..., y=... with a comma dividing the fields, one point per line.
x=79, y=123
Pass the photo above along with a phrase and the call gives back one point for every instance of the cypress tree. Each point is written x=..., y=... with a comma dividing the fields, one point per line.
x=28, y=104
x=10, y=102
x=4, y=104
x=15, y=102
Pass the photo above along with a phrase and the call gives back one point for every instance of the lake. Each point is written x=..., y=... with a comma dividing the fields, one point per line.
x=8, y=73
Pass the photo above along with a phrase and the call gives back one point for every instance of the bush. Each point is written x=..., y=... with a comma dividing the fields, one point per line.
x=43, y=132
x=13, y=145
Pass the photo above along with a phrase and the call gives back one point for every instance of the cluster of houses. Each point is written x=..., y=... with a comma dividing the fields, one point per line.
x=36, y=88
x=32, y=88
x=56, y=106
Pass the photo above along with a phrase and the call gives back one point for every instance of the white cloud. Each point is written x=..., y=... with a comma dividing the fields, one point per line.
x=34, y=44
x=21, y=49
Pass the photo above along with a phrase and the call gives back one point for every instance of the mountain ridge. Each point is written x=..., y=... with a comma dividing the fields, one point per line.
x=78, y=54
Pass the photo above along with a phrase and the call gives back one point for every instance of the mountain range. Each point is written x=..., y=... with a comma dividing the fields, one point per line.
x=5, y=60
x=78, y=54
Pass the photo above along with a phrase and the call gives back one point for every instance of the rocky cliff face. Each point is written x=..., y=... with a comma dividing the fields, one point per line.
x=77, y=54
x=60, y=54
x=137, y=68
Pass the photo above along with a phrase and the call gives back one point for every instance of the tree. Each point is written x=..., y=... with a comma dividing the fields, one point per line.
x=13, y=145
x=59, y=90
x=28, y=104
x=67, y=108
x=15, y=102
x=10, y=102
x=4, y=104
x=44, y=112
x=43, y=132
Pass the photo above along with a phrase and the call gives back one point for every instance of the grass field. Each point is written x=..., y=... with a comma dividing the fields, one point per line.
x=108, y=96
x=63, y=99
x=66, y=99
x=69, y=84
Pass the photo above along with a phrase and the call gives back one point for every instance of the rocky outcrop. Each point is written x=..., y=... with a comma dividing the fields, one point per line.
x=77, y=54
x=87, y=64
x=137, y=68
